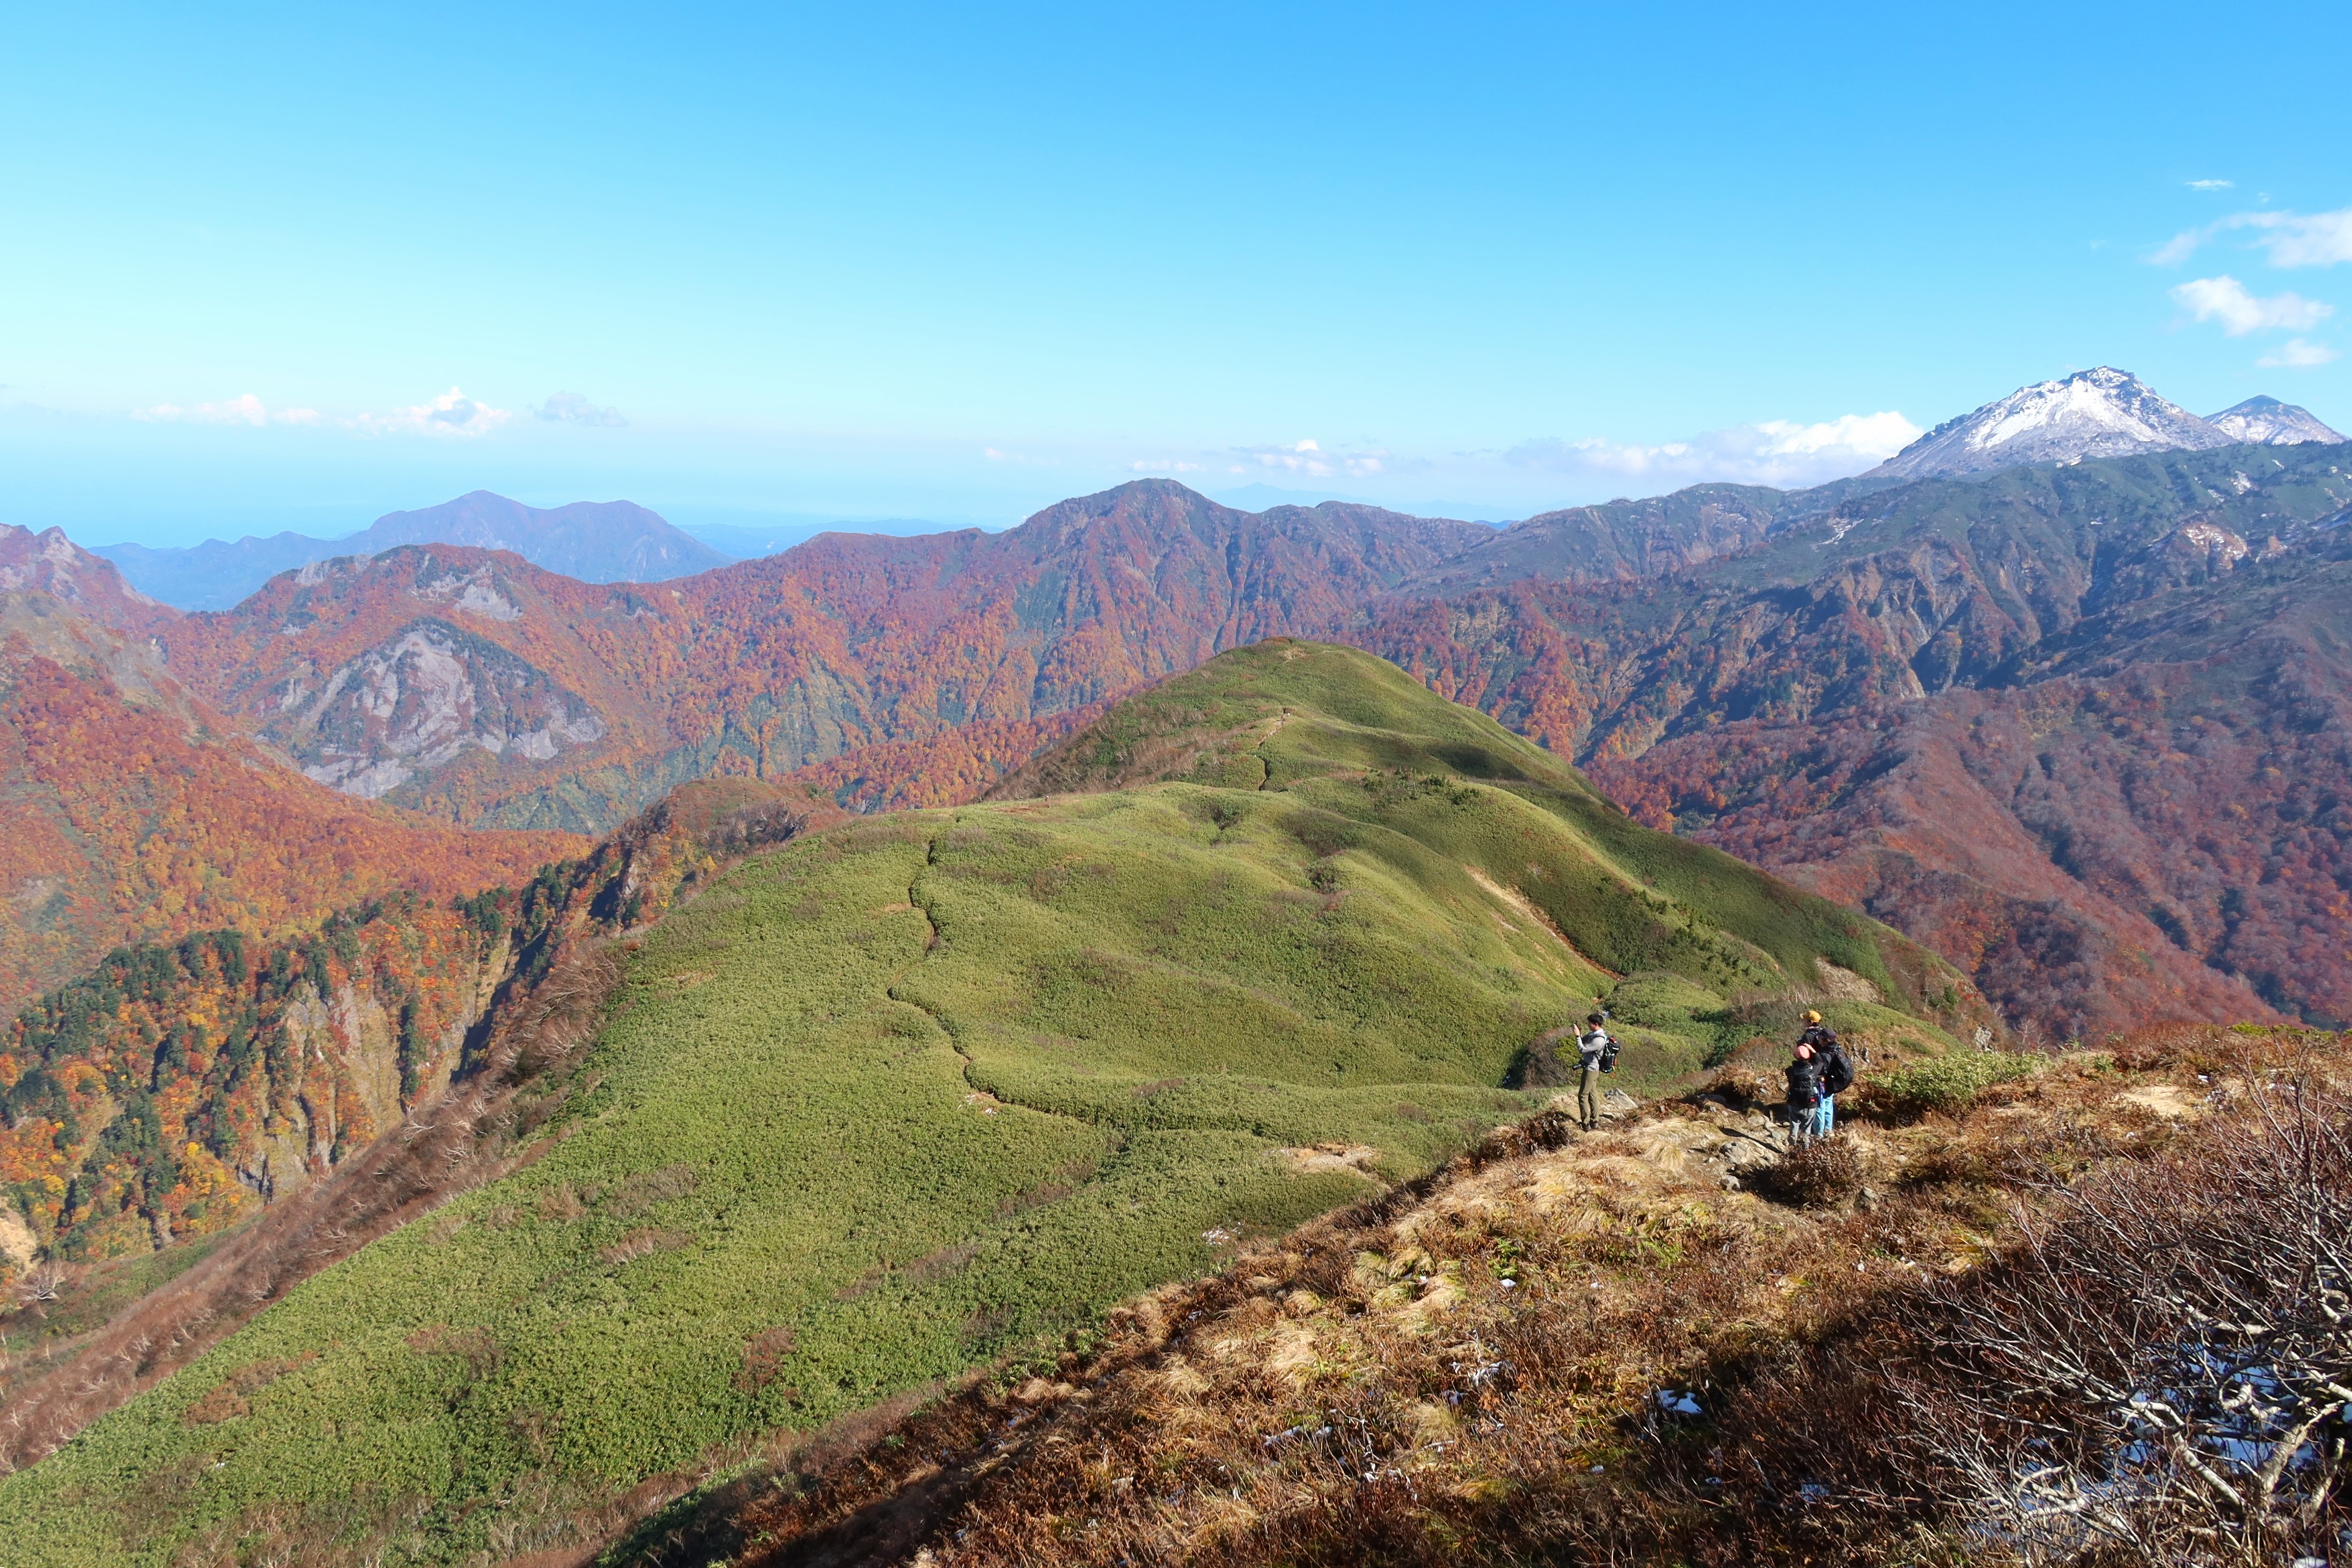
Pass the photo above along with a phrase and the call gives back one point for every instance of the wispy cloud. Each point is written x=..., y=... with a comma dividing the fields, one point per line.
x=1164, y=465
x=244, y=410
x=571, y=407
x=2211, y=184
x=453, y=414
x=1774, y=451
x=2240, y=312
x=2294, y=354
x=2290, y=239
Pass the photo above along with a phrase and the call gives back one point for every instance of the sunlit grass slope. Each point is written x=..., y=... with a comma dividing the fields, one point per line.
x=928, y=1090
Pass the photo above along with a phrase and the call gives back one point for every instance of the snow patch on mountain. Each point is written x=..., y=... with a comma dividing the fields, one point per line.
x=2266, y=421
x=2101, y=412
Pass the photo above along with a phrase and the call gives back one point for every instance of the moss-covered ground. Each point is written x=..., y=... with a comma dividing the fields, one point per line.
x=924, y=1092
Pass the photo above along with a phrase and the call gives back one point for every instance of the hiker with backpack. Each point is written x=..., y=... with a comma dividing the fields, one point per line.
x=1804, y=1096
x=1828, y=1073
x=1596, y=1053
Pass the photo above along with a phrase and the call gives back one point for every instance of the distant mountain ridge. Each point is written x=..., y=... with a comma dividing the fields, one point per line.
x=481, y=690
x=899, y=671
x=594, y=542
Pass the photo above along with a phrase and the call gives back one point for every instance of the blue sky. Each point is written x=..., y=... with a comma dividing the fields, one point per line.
x=299, y=267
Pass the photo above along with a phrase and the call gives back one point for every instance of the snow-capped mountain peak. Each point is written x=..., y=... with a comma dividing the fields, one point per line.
x=2266, y=421
x=2101, y=412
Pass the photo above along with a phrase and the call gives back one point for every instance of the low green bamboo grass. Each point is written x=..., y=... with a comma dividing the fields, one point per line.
x=931, y=1091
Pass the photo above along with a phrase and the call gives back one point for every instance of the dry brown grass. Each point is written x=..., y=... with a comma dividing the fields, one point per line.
x=1371, y=1390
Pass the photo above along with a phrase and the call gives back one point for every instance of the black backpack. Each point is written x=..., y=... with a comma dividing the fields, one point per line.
x=1837, y=1072
x=1608, y=1055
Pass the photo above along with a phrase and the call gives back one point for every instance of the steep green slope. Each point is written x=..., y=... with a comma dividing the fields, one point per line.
x=933, y=1090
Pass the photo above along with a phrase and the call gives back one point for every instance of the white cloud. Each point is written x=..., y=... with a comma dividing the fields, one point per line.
x=2294, y=354
x=1308, y=457
x=2320, y=239
x=2228, y=301
x=2292, y=239
x=571, y=407
x=1302, y=457
x=1879, y=436
x=246, y=409
x=1166, y=465
x=1776, y=452
x=452, y=414
x=2211, y=184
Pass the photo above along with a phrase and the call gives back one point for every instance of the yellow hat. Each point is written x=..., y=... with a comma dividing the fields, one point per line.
x=1812, y=1017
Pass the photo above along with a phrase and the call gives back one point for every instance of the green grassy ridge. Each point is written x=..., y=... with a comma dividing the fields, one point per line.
x=903, y=1098
x=846, y=1186
x=1294, y=710
x=1283, y=713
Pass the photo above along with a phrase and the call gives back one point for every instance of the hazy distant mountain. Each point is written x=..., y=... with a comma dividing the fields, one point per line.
x=217, y=574
x=2266, y=421
x=596, y=541
x=2104, y=412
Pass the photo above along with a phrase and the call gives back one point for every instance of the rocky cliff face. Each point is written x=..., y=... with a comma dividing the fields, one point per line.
x=174, y=1089
x=422, y=700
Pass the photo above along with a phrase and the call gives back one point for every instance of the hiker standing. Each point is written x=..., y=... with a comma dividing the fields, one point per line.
x=1596, y=1053
x=1804, y=1099
x=1834, y=1069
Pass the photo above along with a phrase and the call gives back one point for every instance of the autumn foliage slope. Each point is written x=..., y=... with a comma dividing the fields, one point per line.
x=133, y=813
